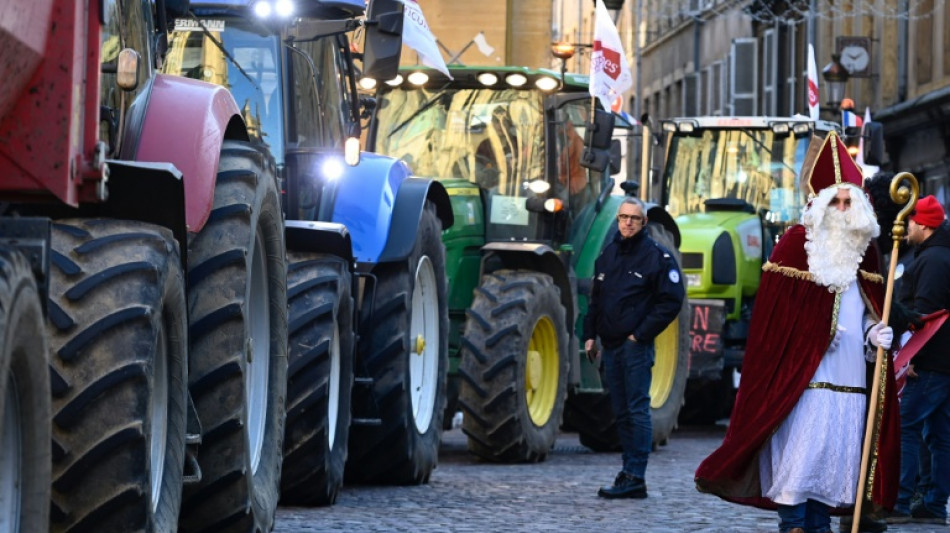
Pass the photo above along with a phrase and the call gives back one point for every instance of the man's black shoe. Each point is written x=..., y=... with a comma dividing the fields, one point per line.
x=868, y=524
x=921, y=515
x=625, y=486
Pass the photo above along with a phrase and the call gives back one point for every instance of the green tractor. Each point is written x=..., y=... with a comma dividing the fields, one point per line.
x=733, y=185
x=525, y=165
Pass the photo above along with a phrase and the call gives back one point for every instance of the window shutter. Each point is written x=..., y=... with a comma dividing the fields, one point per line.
x=691, y=95
x=769, y=73
x=743, y=76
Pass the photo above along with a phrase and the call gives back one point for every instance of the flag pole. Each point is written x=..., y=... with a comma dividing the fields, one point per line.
x=900, y=194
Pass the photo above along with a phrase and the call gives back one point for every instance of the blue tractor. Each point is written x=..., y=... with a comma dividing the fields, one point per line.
x=368, y=320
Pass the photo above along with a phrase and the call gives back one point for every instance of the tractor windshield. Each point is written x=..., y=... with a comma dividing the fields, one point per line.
x=754, y=165
x=494, y=138
x=236, y=55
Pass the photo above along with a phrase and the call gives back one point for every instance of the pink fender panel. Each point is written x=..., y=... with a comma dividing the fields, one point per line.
x=184, y=125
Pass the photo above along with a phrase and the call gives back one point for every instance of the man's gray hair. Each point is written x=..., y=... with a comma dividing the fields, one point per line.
x=634, y=201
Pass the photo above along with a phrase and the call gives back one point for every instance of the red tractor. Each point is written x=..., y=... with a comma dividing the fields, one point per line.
x=143, y=310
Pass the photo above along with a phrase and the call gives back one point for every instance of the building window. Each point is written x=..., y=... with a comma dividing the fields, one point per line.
x=924, y=43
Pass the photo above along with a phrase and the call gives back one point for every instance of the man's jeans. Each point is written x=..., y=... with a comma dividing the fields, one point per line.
x=812, y=516
x=628, y=369
x=926, y=402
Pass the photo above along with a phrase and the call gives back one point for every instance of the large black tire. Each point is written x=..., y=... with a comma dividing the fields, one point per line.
x=24, y=399
x=237, y=310
x=320, y=378
x=671, y=369
x=118, y=366
x=404, y=349
x=514, y=367
x=591, y=414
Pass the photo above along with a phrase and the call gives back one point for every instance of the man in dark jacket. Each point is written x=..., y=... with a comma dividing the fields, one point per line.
x=925, y=404
x=636, y=293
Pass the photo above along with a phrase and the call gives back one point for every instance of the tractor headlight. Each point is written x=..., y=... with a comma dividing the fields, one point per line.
x=332, y=168
x=538, y=186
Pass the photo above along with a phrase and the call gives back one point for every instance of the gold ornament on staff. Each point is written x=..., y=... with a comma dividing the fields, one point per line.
x=906, y=194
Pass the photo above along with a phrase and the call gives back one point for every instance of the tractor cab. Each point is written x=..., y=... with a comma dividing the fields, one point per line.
x=505, y=132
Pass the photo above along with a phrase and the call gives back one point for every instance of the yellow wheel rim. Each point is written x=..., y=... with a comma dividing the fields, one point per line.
x=541, y=371
x=664, y=369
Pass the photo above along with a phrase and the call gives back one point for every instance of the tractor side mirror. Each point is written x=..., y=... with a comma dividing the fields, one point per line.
x=600, y=131
x=598, y=142
x=615, y=157
x=383, y=44
x=874, y=143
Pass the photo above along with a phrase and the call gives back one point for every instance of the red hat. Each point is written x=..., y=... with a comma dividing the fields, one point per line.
x=928, y=212
x=832, y=165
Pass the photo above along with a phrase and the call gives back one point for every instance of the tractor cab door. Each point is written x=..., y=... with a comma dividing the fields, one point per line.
x=578, y=187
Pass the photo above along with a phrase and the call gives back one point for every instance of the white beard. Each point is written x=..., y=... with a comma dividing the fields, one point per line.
x=837, y=240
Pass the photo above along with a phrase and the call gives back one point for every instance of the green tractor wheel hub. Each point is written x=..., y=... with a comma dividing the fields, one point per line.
x=541, y=371
x=664, y=369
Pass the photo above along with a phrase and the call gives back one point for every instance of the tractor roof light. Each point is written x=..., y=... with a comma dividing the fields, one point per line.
x=516, y=80
x=780, y=128
x=395, y=82
x=284, y=8
x=686, y=127
x=487, y=78
x=367, y=84
x=265, y=8
x=669, y=126
x=546, y=83
x=418, y=78
x=802, y=128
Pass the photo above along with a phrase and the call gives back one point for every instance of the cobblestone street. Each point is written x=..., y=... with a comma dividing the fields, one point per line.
x=560, y=494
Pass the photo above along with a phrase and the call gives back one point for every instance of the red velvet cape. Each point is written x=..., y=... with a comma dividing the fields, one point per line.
x=790, y=331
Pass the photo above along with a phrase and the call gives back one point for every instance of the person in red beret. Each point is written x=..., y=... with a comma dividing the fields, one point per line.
x=796, y=433
x=925, y=403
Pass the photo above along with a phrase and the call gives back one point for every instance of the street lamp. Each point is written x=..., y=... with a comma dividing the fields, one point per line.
x=836, y=77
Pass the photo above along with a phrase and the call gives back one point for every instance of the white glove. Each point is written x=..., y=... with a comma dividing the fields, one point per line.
x=836, y=341
x=881, y=336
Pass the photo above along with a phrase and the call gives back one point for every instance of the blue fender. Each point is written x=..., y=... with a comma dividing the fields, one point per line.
x=380, y=203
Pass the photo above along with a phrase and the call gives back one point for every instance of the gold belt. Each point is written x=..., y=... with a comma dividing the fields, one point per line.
x=836, y=388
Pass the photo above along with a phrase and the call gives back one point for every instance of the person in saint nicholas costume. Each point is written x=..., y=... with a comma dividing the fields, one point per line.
x=795, y=437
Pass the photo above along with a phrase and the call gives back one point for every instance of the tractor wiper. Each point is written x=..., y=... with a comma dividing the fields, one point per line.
x=435, y=98
x=766, y=148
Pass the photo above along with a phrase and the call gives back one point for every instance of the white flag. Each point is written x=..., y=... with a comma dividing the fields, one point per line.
x=812, y=84
x=417, y=35
x=609, y=72
x=483, y=46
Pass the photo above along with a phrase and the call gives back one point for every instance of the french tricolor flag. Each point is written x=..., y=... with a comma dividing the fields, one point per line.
x=849, y=119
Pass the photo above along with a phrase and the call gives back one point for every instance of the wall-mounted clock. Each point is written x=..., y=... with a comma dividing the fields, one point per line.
x=855, y=55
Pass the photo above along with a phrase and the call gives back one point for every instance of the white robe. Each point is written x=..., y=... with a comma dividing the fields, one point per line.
x=816, y=452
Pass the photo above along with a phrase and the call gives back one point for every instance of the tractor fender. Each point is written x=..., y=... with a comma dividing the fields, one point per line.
x=371, y=203
x=184, y=124
x=656, y=213
x=319, y=237
x=410, y=203
x=536, y=257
